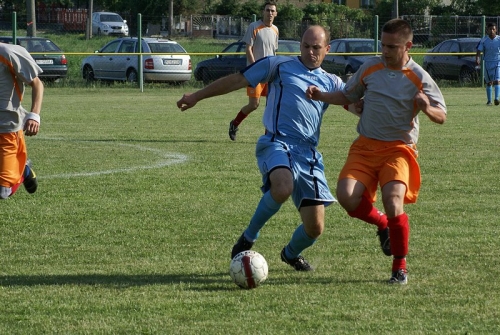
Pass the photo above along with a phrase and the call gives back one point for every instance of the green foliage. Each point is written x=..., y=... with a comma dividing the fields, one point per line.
x=228, y=7
x=489, y=7
x=249, y=8
x=328, y=11
x=289, y=12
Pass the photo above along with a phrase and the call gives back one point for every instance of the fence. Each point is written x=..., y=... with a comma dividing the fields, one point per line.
x=61, y=24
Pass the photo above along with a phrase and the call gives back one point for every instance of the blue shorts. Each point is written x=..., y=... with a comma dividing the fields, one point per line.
x=305, y=163
x=491, y=72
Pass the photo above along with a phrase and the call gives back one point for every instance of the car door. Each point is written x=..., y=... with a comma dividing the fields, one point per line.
x=452, y=66
x=440, y=66
x=332, y=63
x=103, y=60
x=123, y=60
x=228, y=64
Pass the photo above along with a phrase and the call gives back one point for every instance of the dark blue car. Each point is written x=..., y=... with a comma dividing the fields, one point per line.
x=227, y=63
x=454, y=59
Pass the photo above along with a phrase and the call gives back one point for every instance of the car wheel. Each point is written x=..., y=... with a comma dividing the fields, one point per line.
x=132, y=76
x=205, y=77
x=466, y=76
x=88, y=73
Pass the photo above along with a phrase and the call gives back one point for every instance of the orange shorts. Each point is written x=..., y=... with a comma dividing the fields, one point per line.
x=12, y=158
x=257, y=92
x=374, y=162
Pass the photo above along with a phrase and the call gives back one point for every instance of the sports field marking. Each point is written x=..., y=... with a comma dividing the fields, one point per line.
x=165, y=158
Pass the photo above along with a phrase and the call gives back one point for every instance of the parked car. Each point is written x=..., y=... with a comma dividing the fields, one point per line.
x=345, y=64
x=106, y=23
x=223, y=65
x=164, y=61
x=454, y=67
x=46, y=54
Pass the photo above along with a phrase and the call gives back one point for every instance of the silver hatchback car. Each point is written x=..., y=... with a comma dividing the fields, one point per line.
x=163, y=61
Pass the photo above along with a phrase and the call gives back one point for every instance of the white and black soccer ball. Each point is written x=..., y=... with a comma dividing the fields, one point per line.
x=248, y=269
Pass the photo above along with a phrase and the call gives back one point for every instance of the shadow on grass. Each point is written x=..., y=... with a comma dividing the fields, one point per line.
x=195, y=281
x=212, y=282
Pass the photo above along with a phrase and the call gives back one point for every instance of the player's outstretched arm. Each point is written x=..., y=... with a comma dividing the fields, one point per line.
x=333, y=98
x=221, y=86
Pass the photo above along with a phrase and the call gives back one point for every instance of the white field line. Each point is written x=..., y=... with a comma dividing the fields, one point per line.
x=165, y=158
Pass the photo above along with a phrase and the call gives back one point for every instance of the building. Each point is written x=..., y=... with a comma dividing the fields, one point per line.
x=348, y=3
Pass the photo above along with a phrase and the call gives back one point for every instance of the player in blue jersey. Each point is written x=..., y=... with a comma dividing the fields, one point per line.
x=286, y=154
x=490, y=47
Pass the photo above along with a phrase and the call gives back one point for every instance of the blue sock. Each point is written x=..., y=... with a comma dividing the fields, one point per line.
x=27, y=171
x=299, y=242
x=497, y=91
x=488, y=92
x=266, y=208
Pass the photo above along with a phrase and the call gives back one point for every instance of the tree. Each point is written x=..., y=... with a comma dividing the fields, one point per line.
x=228, y=7
x=489, y=7
x=249, y=8
x=289, y=12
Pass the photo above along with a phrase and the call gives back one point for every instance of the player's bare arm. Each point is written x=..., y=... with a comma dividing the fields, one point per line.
x=249, y=53
x=221, y=86
x=32, y=124
x=333, y=98
x=434, y=113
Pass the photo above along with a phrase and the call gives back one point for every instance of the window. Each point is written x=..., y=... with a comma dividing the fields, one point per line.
x=367, y=4
x=454, y=47
x=127, y=47
x=445, y=47
x=111, y=47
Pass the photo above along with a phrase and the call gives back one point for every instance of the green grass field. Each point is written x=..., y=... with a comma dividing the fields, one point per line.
x=139, y=205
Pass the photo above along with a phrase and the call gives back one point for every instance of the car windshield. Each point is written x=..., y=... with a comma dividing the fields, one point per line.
x=111, y=18
x=165, y=48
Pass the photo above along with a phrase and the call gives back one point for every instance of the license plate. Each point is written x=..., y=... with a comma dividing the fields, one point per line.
x=44, y=61
x=172, y=61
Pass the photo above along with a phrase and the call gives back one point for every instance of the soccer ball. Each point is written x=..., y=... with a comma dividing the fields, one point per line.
x=248, y=269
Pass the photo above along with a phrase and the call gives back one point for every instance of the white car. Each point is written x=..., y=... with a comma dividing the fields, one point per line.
x=163, y=61
x=106, y=23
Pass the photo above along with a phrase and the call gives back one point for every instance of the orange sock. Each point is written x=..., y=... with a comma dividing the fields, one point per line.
x=369, y=213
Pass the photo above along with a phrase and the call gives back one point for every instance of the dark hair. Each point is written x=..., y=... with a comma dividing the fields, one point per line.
x=491, y=24
x=398, y=26
x=269, y=3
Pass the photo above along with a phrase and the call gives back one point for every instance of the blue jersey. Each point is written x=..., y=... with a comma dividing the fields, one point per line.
x=490, y=48
x=288, y=112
